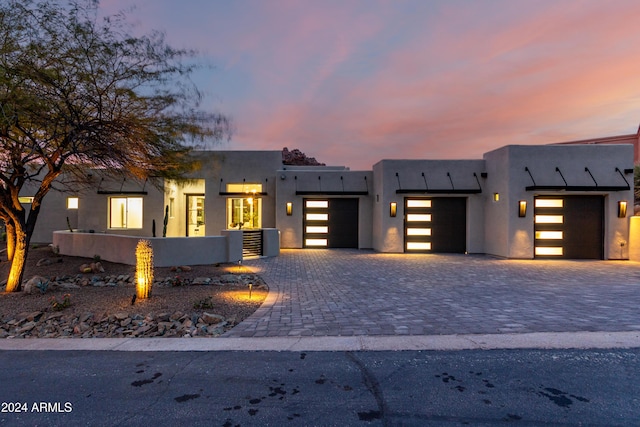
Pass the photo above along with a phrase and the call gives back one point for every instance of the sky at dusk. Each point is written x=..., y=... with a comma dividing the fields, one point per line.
x=352, y=82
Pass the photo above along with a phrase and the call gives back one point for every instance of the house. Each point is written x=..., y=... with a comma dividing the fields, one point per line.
x=523, y=202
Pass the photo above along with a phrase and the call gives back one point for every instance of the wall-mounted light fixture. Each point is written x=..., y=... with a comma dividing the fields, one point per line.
x=496, y=197
x=522, y=208
x=393, y=209
x=289, y=208
x=622, y=209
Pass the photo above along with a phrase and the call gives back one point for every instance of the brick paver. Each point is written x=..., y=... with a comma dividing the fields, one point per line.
x=356, y=292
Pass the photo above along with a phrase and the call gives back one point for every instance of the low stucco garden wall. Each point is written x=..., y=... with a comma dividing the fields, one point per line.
x=167, y=251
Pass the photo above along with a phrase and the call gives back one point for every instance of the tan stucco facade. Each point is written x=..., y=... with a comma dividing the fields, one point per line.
x=491, y=189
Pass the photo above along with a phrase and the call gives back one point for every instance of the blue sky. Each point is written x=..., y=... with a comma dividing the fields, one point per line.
x=351, y=82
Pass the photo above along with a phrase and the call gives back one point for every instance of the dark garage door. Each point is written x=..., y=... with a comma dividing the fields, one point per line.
x=436, y=225
x=330, y=223
x=570, y=227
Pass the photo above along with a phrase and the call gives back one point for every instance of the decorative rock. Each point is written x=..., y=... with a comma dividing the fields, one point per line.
x=121, y=315
x=27, y=327
x=211, y=319
x=34, y=316
x=164, y=317
x=229, y=278
x=31, y=286
x=201, y=281
x=96, y=267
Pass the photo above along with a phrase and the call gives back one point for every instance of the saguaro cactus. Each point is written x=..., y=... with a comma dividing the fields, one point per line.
x=144, y=269
x=166, y=220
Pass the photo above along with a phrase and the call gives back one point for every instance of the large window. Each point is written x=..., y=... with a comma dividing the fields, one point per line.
x=125, y=212
x=244, y=213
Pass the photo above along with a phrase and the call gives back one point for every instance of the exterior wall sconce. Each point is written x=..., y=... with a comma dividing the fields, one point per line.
x=622, y=209
x=522, y=208
x=393, y=209
x=289, y=208
x=496, y=197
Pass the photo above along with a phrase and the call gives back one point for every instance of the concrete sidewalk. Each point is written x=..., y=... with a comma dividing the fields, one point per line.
x=339, y=300
x=562, y=340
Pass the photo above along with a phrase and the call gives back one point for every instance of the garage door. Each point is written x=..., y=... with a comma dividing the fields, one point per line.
x=570, y=227
x=435, y=224
x=330, y=223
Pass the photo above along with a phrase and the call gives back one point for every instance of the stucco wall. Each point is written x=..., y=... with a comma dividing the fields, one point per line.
x=389, y=234
x=325, y=180
x=507, y=176
x=167, y=252
x=217, y=169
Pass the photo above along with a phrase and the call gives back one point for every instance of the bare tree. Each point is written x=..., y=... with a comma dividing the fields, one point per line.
x=79, y=91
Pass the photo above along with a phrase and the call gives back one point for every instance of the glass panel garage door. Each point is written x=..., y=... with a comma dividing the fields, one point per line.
x=330, y=223
x=570, y=227
x=435, y=224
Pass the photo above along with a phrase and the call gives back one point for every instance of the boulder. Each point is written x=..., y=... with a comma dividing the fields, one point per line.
x=31, y=287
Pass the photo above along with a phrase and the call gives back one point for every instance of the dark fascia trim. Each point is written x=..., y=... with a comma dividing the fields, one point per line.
x=447, y=191
x=578, y=188
x=332, y=193
x=141, y=193
x=226, y=193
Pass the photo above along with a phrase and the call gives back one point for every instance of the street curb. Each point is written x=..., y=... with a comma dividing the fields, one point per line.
x=538, y=340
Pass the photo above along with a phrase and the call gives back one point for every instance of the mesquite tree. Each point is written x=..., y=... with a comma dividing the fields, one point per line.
x=77, y=91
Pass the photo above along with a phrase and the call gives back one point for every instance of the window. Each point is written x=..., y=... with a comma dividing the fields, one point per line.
x=25, y=200
x=417, y=203
x=244, y=213
x=248, y=188
x=125, y=212
x=72, y=203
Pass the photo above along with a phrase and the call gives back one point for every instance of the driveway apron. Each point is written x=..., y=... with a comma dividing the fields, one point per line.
x=360, y=292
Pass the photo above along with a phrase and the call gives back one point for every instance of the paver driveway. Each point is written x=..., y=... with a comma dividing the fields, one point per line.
x=358, y=292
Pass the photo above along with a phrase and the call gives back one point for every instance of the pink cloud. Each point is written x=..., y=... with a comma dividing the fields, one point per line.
x=354, y=82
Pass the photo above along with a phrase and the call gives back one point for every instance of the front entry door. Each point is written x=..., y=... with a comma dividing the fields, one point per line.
x=195, y=215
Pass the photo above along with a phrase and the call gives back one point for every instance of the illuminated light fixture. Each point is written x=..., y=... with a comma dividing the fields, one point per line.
x=289, y=208
x=522, y=208
x=72, y=203
x=393, y=209
x=622, y=209
x=496, y=197
x=144, y=269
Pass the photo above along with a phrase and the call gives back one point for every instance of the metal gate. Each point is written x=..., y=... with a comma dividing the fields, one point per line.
x=251, y=243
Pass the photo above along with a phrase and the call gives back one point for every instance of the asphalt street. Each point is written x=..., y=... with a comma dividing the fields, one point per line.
x=380, y=388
